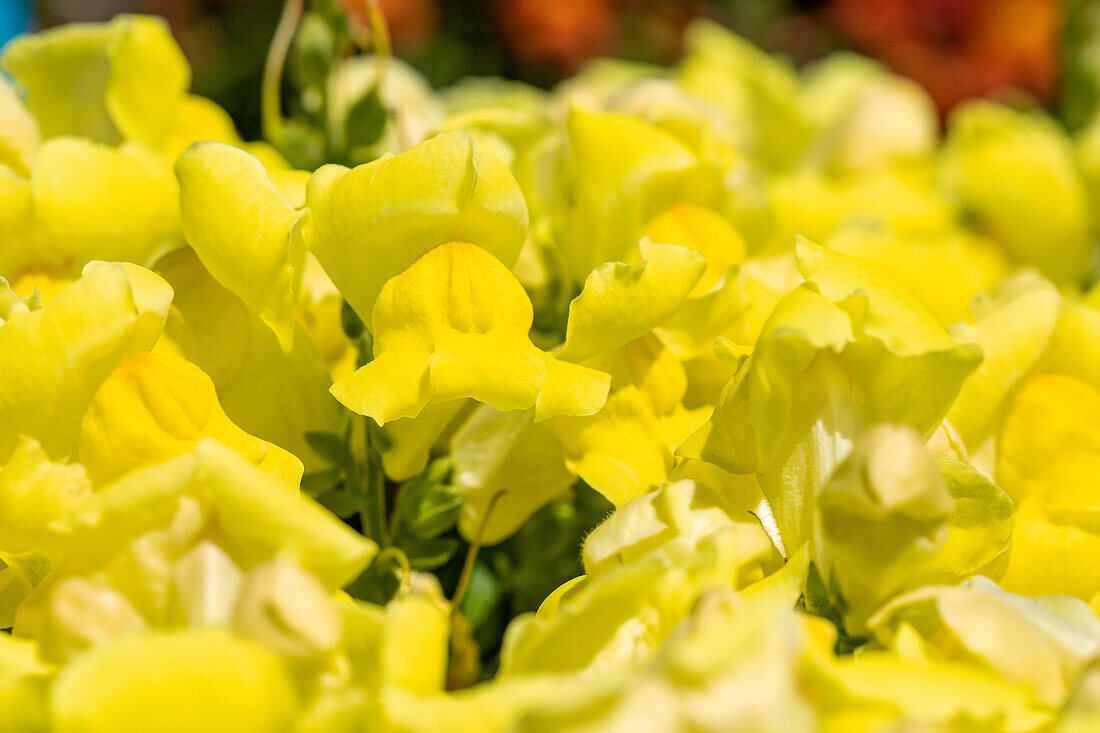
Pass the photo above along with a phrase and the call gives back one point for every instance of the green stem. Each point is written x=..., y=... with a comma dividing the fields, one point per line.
x=271, y=114
x=377, y=487
x=372, y=481
x=471, y=555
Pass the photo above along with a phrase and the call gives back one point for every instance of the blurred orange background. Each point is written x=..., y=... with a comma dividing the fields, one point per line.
x=955, y=48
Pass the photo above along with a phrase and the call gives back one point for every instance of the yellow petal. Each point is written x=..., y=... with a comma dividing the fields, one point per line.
x=506, y=467
x=412, y=438
x=622, y=302
x=1013, y=326
x=240, y=227
x=199, y=118
x=882, y=516
x=1051, y=557
x=1048, y=456
x=943, y=270
x=105, y=81
x=1049, y=444
x=703, y=231
x=258, y=516
x=91, y=201
x=627, y=447
x=1052, y=639
x=18, y=131
x=34, y=492
x=625, y=172
x=150, y=682
x=155, y=407
x=273, y=395
x=680, y=509
x=1013, y=170
x=53, y=359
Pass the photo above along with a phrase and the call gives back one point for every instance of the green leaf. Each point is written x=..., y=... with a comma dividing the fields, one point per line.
x=329, y=446
x=430, y=554
x=379, y=582
x=366, y=120
x=425, y=507
x=314, y=51
x=341, y=502
x=482, y=596
x=435, y=513
x=319, y=483
x=352, y=324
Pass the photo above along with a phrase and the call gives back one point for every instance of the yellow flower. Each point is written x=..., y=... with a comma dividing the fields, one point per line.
x=155, y=407
x=624, y=172
x=125, y=543
x=627, y=447
x=679, y=509
x=455, y=325
x=881, y=516
x=84, y=200
x=19, y=136
x=1048, y=456
x=1014, y=170
x=620, y=615
x=54, y=358
x=920, y=264
x=272, y=394
x=109, y=82
x=1042, y=642
x=154, y=682
x=242, y=229
x=843, y=351
x=1014, y=325
x=622, y=302
x=35, y=491
x=369, y=224
x=704, y=231
x=509, y=463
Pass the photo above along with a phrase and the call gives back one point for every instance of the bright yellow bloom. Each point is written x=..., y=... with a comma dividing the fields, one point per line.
x=1015, y=171
x=627, y=447
x=154, y=682
x=54, y=358
x=624, y=172
x=620, y=615
x=680, y=509
x=1048, y=456
x=622, y=302
x=84, y=201
x=1042, y=642
x=919, y=263
x=509, y=463
x=455, y=325
x=369, y=224
x=242, y=229
x=35, y=491
x=155, y=407
x=1013, y=325
x=109, y=82
x=843, y=351
x=269, y=393
x=19, y=136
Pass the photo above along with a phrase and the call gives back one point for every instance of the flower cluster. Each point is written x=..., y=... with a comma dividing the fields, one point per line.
x=835, y=378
